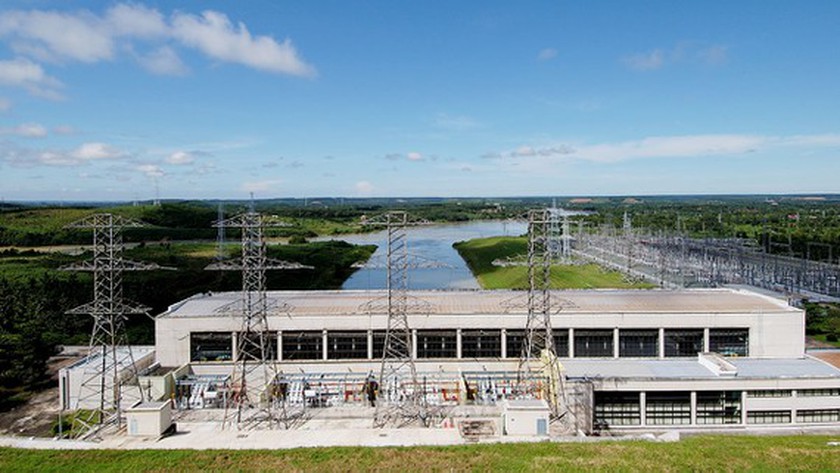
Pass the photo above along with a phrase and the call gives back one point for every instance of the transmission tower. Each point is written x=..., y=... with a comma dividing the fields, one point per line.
x=102, y=392
x=402, y=399
x=254, y=399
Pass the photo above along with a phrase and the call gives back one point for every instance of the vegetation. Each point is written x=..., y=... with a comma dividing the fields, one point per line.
x=480, y=254
x=700, y=453
x=823, y=322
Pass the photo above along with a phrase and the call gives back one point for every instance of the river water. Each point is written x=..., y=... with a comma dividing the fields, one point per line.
x=432, y=244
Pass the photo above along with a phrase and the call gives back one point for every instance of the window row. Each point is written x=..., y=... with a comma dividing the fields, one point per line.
x=585, y=343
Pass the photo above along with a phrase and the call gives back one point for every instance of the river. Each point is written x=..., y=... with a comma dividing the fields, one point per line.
x=429, y=243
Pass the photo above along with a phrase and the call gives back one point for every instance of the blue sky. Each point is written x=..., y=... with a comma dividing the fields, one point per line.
x=217, y=99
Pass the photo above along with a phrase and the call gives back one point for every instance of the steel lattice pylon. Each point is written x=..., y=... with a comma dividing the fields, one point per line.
x=402, y=399
x=110, y=365
x=255, y=356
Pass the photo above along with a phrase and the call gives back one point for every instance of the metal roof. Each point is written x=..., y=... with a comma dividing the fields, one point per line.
x=653, y=369
x=466, y=302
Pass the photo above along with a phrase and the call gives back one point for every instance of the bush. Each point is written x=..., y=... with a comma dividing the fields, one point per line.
x=831, y=337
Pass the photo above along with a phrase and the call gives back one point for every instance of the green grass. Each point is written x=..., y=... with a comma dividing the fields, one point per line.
x=480, y=254
x=701, y=453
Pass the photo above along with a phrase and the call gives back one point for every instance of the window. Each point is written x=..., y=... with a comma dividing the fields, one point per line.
x=818, y=415
x=668, y=408
x=303, y=345
x=768, y=417
x=818, y=392
x=515, y=343
x=211, y=346
x=729, y=341
x=682, y=342
x=593, y=343
x=347, y=345
x=400, y=342
x=561, y=342
x=437, y=344
x=770, y=393
x=256, y=345
x=617, y=408
x=718, y=407
x=481, y=343
x=638, y=343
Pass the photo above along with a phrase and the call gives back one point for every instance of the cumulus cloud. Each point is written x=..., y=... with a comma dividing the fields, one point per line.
x=213, y=34
x=180, y=158
x=83, y=36
x=64, y=130
x=414, y=156
x=151, y=170
x=547, y=54
x=83, y=154
x=163, y=61
x=28, y=130
x=96, y=151
x=28, y=75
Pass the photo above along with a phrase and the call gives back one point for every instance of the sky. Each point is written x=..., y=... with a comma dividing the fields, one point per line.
x=113, y=101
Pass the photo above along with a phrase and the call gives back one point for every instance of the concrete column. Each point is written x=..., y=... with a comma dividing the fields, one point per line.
x=615, y=342
x=693, y=407
x=504, y=343
x=661, y=342
x=643, y=407
x=458, y=344
x=370, y=344
x=279, y=345
x=744, y=408
x=414, y=344
x=324, y=345
x=706, y=339
x=571, y=342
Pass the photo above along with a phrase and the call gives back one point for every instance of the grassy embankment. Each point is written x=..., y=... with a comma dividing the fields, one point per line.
x=701, y=453
x=480, y=254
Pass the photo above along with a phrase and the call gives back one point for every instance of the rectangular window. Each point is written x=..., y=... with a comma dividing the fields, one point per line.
x=768, y=417
x=515, y=343
x=256, y=346
x=561, y=342
x=770, y=393
x=729, y=341
x=211, y=346
x=668, y=408
x=437, y=344
x=718, y=407
x=481, y=343
x=347, y=345
x=593, y=343
x=818, y=392
x=683, y=342
x=400, y=341
x=638, y=343
x=617, y=408
x=303, y=345
x=818, y=415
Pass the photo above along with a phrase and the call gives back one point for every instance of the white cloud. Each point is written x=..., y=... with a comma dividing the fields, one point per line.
x=547, y=54
x=64, y=130
x=648, y=61
x=455, y=122
x=414, y=156
x=135, y=20
x=28, y=130
x=96, y=151
x=180, y=157
x=30, y=76
x=363, y=188
x=684, y=146
x=714, y=55
x=151, y=170
x=213, y=34
x=163, y=61
x=53, y=36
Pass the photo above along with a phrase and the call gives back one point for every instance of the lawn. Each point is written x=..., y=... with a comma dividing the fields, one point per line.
x=700, y=453
x=480, y=254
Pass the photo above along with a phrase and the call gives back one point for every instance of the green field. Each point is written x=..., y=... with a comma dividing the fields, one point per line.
x=480, y=254
x=701, y=453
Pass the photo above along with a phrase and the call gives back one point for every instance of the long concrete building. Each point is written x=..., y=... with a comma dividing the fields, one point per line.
x=710, y=358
